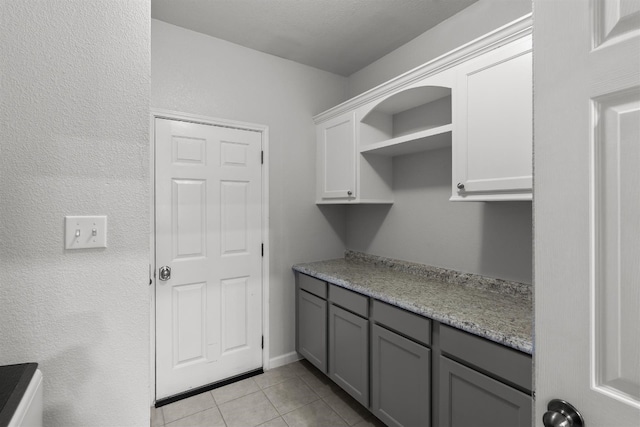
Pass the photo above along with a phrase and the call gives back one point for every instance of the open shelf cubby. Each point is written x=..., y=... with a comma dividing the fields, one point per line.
x=413, y=120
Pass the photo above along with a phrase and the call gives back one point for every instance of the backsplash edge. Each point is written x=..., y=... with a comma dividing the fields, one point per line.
x=443, y=274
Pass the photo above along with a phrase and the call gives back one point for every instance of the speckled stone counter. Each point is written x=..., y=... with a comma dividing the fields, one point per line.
x=498, y=310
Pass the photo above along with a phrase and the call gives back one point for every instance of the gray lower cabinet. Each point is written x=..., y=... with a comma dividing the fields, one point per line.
x=475, y=382
x=469, y=398
x=349, y=352
x=400, y=379
x=312, y=329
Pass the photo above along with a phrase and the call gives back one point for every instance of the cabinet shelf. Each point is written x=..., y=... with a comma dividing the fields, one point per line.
x=424, y=140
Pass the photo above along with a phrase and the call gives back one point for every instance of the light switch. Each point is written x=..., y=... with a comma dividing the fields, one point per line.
x=82, y=232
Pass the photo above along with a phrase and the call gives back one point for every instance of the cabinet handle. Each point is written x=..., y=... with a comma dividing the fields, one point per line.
x=460, y=186
x=349, y=193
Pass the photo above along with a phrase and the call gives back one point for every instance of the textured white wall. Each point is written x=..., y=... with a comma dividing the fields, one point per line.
x=198, y=74
x=469, y=24
x=74, y=129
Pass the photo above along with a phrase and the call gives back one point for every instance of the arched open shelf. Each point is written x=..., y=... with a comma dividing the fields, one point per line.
x=413, y=120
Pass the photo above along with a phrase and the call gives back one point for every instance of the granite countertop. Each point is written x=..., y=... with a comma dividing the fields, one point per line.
x=498, y=310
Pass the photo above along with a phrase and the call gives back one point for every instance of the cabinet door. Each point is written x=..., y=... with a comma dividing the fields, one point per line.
x=349, y=353
x=312, y=329
x=336, y=159
x=400, y=379
x=493, y=125
x=469, y=398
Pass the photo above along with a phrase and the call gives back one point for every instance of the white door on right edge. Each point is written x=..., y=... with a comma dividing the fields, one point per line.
x=587, y=210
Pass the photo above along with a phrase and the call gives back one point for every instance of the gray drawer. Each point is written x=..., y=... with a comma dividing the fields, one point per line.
x=352, y=301
x=406, y=323
x=312, y=285
x=497, y=360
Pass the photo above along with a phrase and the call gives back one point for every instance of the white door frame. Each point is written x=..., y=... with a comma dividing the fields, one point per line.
x=193, y=118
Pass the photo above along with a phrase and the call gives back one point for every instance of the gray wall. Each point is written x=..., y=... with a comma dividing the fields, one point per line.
x=198, y=74
x=75, y=141
x=463, y=27
x=492, y=239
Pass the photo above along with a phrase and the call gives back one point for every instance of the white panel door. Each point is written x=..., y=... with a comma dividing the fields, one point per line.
x=208, y=232
x=587, y=208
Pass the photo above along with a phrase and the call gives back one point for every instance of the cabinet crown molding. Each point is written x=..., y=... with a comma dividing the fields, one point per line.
x=516, y=29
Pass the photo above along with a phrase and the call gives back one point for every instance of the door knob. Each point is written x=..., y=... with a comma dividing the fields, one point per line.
x=460, y=186
x=165, y=273
x=562, y=414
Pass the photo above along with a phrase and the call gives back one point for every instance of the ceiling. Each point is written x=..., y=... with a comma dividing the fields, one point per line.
x=339, y=36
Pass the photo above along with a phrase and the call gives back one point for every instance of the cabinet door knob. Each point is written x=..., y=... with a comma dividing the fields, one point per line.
x=349, y=193
x=460, y=186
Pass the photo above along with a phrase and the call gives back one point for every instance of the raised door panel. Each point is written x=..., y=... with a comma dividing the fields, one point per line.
x=336, y=158
x=616, y=227
x=469, y=398
x=312, y=329
x=400, y=379
x=493, y=134
x=349, y=353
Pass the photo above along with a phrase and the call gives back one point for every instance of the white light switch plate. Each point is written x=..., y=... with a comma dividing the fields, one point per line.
x=82, y=232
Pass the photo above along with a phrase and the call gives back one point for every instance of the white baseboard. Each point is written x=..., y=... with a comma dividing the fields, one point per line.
x=283, y=359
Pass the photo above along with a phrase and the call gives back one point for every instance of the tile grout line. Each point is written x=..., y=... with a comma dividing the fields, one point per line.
x=319, y=398
x=215, y=405
x=248, y=394
x=303, y=382
x=279, y=416
x=219, y=410
x=235, y=398
x=330, y=407
x=300, y=374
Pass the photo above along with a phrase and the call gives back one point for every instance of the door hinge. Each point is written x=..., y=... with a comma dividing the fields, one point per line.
x=262, y=157
x=262, y=246
x=262, y=345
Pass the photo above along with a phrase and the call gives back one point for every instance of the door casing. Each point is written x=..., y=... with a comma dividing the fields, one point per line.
x=193, y=118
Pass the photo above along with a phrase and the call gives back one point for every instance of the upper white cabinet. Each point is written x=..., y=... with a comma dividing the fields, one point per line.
x=412, y=120
x=344, y=176
x=336, y=151
x=493, y=125
x=476, y=99
x=355, y=149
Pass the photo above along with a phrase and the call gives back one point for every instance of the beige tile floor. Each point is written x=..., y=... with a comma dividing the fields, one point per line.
x=294, y=395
